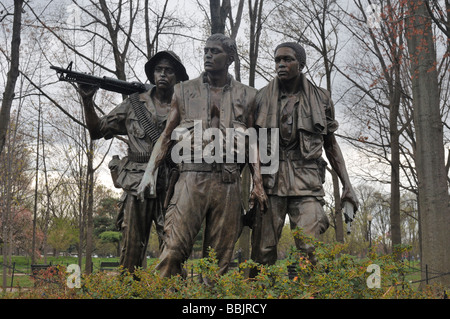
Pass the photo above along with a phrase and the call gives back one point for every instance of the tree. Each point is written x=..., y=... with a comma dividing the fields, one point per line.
x=410, y=223
x=106, y=212
x=107, y=23
x=5, y=111
x=219, y=15
x=14, y=184
x=112, y=237
x=440, y=15
x=8, y=94
x=255, y=11
x=379, y=90
x=21, y=226
x=434, y=212
x=62, y=234
x=370, y=203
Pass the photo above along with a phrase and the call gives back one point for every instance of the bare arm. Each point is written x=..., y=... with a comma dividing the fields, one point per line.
x=161, y=147
x=258, y=192
x=336, y=159
x=91, y=117
x=159, y=152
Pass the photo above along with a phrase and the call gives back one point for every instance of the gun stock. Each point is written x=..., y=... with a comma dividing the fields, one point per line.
x=106, y=83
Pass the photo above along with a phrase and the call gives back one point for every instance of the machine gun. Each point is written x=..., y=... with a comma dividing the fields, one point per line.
x=106, y=83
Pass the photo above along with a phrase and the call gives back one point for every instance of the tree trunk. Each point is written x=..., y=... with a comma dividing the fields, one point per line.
x=395, y=93
x=8, y=94
x=36, y=188
x=150, y=48
x=90, y=208
x=395, y=179
x=255, y=14
x=432, y=180
x=48, y=196
x=81, y=211
x=235, y=24
x=218, y=15
x=6, y=216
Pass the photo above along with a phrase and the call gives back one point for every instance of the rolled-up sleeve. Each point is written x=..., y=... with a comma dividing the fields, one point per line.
x=114, y=122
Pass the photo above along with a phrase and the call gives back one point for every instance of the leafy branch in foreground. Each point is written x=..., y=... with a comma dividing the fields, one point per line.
x=336, y=275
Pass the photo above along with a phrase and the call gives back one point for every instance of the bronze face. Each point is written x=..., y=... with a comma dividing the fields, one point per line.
x=215, y=57
x=164, y=74
x=286, y=64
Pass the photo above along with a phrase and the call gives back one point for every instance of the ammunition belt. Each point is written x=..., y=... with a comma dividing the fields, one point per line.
x=139, y=157
x=143, y=117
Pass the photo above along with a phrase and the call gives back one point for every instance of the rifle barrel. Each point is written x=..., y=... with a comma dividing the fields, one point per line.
x=106, y=83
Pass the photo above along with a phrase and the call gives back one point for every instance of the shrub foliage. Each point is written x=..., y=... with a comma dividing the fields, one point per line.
x=335, y=275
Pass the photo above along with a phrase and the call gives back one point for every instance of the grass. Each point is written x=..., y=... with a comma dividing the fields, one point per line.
x=414, y=273
x=22, y=268
x=22, y=278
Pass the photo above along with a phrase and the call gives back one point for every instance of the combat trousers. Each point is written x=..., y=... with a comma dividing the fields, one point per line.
x=304, y=212
x=198, y=197
x=136, y=224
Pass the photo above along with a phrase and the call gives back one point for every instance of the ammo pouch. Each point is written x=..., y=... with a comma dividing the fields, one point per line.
x=114, y=169
x=322, y=166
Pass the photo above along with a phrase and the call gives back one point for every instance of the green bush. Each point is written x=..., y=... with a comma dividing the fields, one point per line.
x=335, y=275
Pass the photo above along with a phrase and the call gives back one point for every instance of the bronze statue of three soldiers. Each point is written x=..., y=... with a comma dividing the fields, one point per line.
x=180, y=196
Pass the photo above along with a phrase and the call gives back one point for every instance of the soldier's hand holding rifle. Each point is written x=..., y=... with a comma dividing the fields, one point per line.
x=87, y=91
